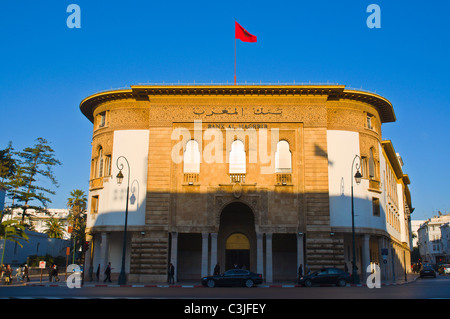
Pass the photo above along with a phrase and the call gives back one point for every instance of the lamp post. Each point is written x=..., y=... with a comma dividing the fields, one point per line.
x=358, y=176
x=122, y=276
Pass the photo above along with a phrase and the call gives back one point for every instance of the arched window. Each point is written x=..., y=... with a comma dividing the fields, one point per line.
x=371, y=164
x=192, y=157
x=237, y=158
x=100, y=162
x=283, y=158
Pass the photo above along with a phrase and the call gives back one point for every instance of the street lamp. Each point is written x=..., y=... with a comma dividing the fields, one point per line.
x=122, y=276
x=358, y=177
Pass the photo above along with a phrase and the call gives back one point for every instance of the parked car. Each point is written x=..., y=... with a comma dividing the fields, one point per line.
x=427, y=271
x=328, y=276
x=233, y=277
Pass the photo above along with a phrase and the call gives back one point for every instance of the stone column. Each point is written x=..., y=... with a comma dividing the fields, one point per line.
x=174, y=254
x=269, y=270
x=365, y=256
x=213, y=252
x=205, y=254
x=381, y=258
x=300, y=255
x=103, y=254
x=259, y=254
x=88, y=261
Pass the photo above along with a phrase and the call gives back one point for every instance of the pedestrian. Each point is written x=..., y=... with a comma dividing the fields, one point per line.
x=55, y=272
x=345, y=267
x=25, y=272
x=98, y=273
x=50, y=274
x=8, y=273
x=108, y=273
x=3, y=269
x=19, y=274
x=171, y=274
x=300, y=271
x=217, y=269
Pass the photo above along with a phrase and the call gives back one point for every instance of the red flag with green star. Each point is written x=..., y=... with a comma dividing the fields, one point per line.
x=242, y=34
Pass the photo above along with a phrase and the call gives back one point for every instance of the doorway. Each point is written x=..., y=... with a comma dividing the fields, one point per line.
x=237, y=237
x=237, y=251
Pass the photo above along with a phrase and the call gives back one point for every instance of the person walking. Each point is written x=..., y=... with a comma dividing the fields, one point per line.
x=25, y=272
x=108, y=273
x=50, y=274
x=55, y=272
x=171, y=273
x=97, y=274
x=8, y=273
x=217, y=269
x=19, y=274
x=3, y=269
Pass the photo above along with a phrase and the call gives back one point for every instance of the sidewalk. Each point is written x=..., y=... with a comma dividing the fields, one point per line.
x=62, y=283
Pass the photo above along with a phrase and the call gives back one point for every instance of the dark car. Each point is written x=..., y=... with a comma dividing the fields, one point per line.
x=233, y=277
x=326, y=276
x=427, y=271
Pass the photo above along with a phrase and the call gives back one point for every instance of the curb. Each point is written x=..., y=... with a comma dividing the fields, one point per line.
x=156, y=285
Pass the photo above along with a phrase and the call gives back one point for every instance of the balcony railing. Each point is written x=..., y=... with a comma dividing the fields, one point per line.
x=96, y=183
x=284, y=179
x=374, y=184
x=237, y=178
x=191, y=178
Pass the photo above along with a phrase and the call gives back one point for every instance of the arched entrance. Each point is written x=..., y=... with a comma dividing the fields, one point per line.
x=237, y=251
x=237, y=237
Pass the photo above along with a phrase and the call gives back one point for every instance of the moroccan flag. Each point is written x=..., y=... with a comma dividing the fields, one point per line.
x=242, y=34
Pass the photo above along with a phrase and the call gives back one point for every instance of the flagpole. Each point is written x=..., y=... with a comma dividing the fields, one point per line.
x=234, y=60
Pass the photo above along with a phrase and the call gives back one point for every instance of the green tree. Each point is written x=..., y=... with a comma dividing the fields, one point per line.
x=13, y=231
x=55, y=228
x=77, y=203
x=35, y=162
x=7, y=166
x=7, y=171
x=77, y=206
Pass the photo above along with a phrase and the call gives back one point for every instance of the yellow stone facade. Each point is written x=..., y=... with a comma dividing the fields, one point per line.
x=285, y=217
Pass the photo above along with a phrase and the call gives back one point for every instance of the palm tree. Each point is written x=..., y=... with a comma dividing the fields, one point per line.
x=77, y=203
x=77, y=206
x=55, y=228
x=13, y=231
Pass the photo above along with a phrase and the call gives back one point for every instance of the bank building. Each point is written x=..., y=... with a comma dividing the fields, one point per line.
x=261, y=177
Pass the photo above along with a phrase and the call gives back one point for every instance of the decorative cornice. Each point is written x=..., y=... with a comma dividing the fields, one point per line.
x=393, y=158
x=333, y=92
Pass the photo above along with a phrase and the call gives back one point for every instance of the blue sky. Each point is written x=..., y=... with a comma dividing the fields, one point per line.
x=47, y=68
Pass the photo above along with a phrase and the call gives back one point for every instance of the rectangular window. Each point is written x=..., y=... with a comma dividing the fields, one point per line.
x=94, y=205
x=107, y=165
x=369, y=121
x=102, y=119
x=376, y=206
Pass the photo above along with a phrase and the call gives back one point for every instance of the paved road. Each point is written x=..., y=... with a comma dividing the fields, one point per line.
x=422, y=288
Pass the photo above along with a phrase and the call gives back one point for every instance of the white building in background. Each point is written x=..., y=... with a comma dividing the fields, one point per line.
x=415, y=225
x=39, y=219
x=433, y=239
x=445, y=241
